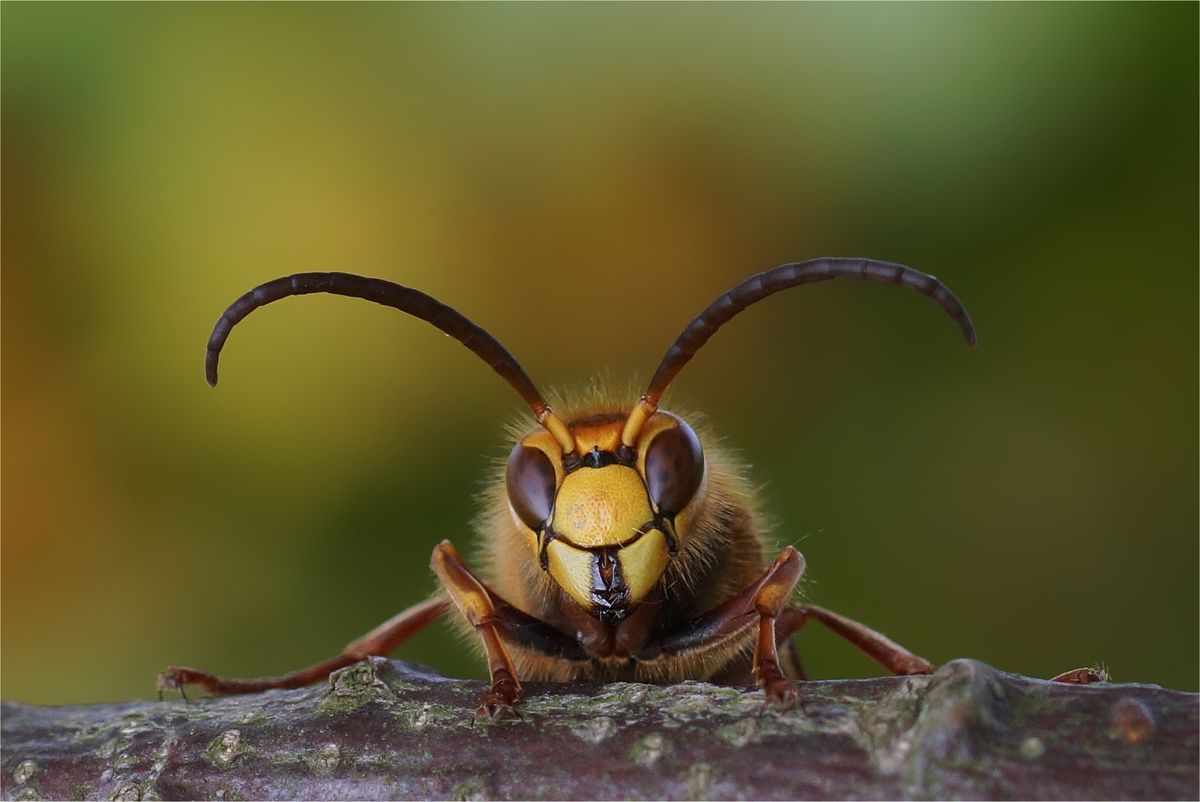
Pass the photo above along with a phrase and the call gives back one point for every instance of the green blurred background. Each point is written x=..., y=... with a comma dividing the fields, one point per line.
x=581, y=180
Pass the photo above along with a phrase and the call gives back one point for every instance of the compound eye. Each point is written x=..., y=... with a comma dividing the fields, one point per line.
x=530, y=481
x=674, y=468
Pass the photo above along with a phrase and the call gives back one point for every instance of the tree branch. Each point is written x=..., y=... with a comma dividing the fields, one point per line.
x=391, y=730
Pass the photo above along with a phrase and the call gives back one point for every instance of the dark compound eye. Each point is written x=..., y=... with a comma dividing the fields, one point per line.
x=530, y=480
x=674, y=468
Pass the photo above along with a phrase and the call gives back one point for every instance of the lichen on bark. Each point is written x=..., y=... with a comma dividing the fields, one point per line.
x=391, y=730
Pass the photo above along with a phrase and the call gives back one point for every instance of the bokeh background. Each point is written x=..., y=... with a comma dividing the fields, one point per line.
x=581, y=180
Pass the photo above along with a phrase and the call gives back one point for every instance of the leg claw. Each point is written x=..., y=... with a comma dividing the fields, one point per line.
x=497, y=707
x=914, y=665
x=780, y=695
x=171, y=679
x=1083, y=676
x=497, y=712
x=176, y=678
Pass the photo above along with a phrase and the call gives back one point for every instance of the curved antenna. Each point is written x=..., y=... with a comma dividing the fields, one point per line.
x=406, y=299
x=769, y=282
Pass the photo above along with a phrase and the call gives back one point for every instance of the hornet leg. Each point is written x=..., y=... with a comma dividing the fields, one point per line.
x=379, y=641
x=889, y=654
x=473, y=600
x=762, y=602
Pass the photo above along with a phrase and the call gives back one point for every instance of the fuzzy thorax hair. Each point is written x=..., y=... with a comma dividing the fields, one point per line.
x=722, y=552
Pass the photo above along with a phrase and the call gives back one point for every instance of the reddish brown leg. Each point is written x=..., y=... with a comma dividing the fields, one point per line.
x=770, y=601
x=1083, y=676
x=764, y=600
x=474, y=601
x=889, y=654
x=379, y=641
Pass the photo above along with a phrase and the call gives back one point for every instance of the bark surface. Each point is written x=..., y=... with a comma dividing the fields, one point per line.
x=391, y=730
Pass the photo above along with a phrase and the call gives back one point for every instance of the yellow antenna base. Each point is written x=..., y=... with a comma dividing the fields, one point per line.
x=558, y=429
x=637, y=419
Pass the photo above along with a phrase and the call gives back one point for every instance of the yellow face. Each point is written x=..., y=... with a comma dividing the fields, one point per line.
x=606, y=548
x=604, y=521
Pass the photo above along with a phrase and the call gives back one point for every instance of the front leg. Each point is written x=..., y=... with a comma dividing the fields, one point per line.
x=769, y=601
x=777, y=621
x=763, y=601
x=494, y=619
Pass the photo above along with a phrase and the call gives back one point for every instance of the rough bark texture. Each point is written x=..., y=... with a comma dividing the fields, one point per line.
x=390, y=730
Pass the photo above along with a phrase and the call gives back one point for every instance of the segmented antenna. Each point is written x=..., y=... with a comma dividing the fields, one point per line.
x=406, y=299
x=769, y=282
